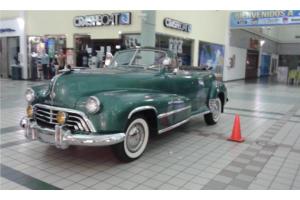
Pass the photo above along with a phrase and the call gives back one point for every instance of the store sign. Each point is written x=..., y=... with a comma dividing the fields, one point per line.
x=174, y=24
x=7, y=30
x=264, y=18
x=114, y=19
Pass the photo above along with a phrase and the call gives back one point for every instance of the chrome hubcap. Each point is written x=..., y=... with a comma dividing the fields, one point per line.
x=215, y=107
x=135, y=137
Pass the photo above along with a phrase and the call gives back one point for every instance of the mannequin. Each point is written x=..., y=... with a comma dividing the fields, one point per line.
x=61, y=59
x=45, y=64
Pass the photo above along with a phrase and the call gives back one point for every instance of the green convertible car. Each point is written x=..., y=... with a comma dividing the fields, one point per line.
x=141, y=92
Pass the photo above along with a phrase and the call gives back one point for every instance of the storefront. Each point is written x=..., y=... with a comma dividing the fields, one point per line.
x=12, y=48
x=47, y=46
x=85, y=37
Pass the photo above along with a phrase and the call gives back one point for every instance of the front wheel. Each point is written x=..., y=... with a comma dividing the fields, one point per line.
x=215, y=106
x=136, y=140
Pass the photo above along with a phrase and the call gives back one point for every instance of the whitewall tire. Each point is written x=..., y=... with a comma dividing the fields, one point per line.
x=136, y=140
x=215, y=106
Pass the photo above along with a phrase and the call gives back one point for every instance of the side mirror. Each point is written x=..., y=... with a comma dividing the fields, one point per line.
x=166, y=61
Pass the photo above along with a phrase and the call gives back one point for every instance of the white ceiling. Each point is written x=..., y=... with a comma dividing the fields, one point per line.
x=281, y=34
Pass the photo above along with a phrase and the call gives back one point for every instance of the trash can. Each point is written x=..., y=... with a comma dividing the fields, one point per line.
x=16, y=72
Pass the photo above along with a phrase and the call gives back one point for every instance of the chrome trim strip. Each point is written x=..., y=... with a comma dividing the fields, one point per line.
x=48, y=122
x=173, y=112
x=181, y=122
x=88, y=122
x=141, y=108
x=84, y=124
x=173, y=126
x=198, y=114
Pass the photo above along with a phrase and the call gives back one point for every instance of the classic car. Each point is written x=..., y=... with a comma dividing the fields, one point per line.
x=143, y=91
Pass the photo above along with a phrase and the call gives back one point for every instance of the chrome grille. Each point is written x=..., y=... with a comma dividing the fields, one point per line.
x=45, y=116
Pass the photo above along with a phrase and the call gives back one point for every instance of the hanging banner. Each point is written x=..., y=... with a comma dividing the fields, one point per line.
x=264, y=18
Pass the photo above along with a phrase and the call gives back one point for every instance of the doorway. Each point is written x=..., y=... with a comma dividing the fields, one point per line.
x=251, y=64
x=265, y=65
x=9, y=50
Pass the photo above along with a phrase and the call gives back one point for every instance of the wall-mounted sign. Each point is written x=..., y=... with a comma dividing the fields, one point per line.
x=174, y=24
x=264, y=18
x=7, y=30
x=113, y=19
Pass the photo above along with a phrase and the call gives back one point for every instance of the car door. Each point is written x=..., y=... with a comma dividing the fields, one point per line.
x=189, y=85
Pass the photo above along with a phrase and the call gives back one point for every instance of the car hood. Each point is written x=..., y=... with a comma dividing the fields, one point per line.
x=66, y=89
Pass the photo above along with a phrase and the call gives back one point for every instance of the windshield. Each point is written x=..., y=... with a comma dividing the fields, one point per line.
x=148, y=59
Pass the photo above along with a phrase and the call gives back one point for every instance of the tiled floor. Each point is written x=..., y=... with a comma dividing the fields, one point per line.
x=194, y=156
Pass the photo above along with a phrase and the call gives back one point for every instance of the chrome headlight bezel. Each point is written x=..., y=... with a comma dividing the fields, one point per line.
x=92, y=105
x=29, y=95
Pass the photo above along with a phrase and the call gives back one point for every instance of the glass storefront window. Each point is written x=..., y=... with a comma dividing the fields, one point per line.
x=181, y=47
x=45, y=50
x=131, y=41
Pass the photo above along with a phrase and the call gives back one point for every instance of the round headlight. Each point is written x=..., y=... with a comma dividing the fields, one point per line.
x=29, y=95
x=29, y=111
x=92, y=104
x=61, y=117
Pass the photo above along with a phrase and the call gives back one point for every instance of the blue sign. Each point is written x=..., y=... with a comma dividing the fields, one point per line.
x=7, y=30
x=125, y=18
x=264, y=18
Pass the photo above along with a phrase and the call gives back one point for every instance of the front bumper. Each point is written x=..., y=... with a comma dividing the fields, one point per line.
x=62, y=138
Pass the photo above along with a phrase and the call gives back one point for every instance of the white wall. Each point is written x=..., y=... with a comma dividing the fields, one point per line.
x=286, y=34
x=239, y=69
x=18, y=25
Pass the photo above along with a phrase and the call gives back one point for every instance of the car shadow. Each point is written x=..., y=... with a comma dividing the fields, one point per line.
x=104, y=155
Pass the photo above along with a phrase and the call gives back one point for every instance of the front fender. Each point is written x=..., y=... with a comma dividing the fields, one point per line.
x=118, y=106
x=216, y=89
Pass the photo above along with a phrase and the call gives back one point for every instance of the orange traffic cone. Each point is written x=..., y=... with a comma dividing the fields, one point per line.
x=236, y=131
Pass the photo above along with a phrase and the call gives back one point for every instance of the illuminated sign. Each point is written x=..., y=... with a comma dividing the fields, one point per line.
x=264, y=18
x=174, y=24
x=114, y=19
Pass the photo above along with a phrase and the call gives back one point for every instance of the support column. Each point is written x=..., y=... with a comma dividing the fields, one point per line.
x=195, y=52
x=148, y=28
x=227, y=53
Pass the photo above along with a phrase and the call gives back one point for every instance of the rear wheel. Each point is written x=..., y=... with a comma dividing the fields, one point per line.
x=215, y=106
x=136, y=140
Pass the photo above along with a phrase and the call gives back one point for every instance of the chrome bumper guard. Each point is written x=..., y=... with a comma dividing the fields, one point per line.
x=62, y=138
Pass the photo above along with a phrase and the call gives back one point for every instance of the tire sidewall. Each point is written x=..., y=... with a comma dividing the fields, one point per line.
x=220, y=110
x=140, y=151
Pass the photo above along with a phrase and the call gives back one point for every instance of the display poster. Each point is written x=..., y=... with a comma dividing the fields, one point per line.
x=51, y=47
x=211, y=56
x=264, y=18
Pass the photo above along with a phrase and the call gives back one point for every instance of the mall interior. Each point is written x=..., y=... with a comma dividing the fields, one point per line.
x=256, y=54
